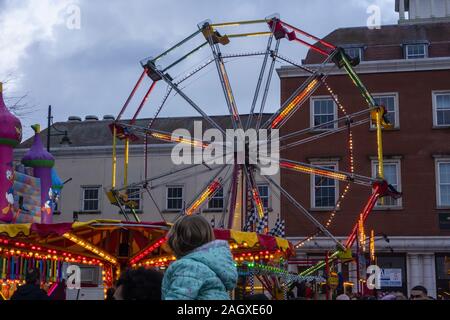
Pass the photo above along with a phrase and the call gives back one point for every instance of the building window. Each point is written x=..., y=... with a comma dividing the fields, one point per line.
x=393, y=272
x=355, y=52
x=443, y=183
x=91, y=199
x=323, y=110
x=443, y=275
x=174, y=198
x=263, y=190
x=134, y=194
x=390, y=101
x=324, y=193
x=216, y=202
x=416, y=51
x=441, y=108
x=392, y=174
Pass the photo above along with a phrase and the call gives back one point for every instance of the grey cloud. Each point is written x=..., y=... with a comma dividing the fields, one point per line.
x=92, y=70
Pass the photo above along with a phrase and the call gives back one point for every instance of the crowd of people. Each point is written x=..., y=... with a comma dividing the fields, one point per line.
x=204, y=270
x=304, y=291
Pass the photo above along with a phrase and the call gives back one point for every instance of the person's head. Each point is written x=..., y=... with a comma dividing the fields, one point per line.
x=399, y=296
x=110, y=294
x=301, y=289
x=342, y=297
x=419, y=293
x=59, y=293
x=139, y=284
x=33, y=276
x=189, y=233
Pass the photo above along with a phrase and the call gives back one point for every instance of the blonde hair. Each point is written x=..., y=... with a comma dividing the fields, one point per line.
x=189, y=233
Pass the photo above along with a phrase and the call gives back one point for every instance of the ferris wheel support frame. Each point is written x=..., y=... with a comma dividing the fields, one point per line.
x=242, y=176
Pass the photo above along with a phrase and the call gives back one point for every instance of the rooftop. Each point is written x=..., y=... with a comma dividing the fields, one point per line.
x=386, y=43
x=97, y=133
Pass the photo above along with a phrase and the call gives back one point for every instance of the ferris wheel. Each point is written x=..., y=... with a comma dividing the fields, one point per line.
x=243, y=200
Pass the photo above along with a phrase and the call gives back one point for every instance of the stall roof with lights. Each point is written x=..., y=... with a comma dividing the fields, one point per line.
x=103, y=239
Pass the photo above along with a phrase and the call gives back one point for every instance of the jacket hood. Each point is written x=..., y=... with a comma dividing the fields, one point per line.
x=29, y=292
x=217, y=256
x=27, y=289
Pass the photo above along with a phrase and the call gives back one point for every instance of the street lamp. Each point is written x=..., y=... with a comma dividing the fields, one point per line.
x=65, y=138
x=384, y=237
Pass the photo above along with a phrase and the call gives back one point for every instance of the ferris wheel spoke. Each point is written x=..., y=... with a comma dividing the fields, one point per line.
x=322, y=172
x=223, y=76
x=226, y=186
x=170, y=89
x=184, y=57
x=304, y=211
x=145, y=182
x=233, y=194
x=256, y=198
x=183, y=176
x=260, y=79
x=176, y=46
x=207, y=193
x=326, y=173
x=267, y=86
x=323, y=134
x=293, y=63
x=155, y=72
x=336, y=122
x=161, y=135
x=299, y=97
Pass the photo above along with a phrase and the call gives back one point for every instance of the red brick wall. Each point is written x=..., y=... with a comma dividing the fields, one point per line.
x=386, y=52
x=416, y=142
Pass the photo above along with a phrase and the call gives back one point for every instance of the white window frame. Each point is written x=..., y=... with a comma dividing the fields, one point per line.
x=360, y=49
x=311, y=112
x=438, y=182
x=416, y=44
x=223, y=201
x=167, y=197
x=398, y=164
x=313, y=185
x=396, y=107
x=99, y=199
x=269, y=202
x=140, y=207
x=435, y=94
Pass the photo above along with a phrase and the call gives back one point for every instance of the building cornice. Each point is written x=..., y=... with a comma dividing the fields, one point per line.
x=368, y=67
x=161, y=149
x=396, y=243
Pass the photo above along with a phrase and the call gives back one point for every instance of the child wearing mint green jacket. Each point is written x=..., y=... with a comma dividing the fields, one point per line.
x=204, y=269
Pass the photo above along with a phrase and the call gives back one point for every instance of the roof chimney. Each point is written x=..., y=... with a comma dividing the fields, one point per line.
x=74, y=119
x=91, y=118
x=109, y=117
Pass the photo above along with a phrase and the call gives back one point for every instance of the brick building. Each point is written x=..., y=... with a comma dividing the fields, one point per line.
x=407, y=68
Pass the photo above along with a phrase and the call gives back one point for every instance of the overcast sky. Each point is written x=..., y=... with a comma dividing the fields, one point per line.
x=91, y=70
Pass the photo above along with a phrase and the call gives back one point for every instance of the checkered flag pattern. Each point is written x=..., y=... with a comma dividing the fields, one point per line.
x=262, y=224
x=250, y=221
x=279, y=229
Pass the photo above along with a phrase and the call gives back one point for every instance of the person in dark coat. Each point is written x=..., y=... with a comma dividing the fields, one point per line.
x=30, y=290
x=60, y=291
x=139, y=284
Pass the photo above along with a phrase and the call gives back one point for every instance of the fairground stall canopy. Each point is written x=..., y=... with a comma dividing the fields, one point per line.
x=114, y=245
